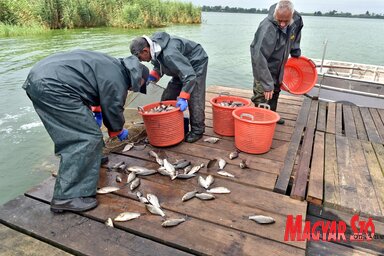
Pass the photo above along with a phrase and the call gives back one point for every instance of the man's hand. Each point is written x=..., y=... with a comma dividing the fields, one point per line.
x=99, y=118
x=123, y=135
x=182, y=103
x=268, y=95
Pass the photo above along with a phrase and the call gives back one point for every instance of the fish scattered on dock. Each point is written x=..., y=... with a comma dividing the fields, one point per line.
x=131, y=177
x=189, y=195
x=234, y=154
x=128, y=147
x=139, y=170
x=125, y=216
x=212, y=140
x=108, y=189
x=205, y=196
x=226, y=174
x=185, y=176
x=109, y=222
x=153, y=200
x=155, y=210
x=205, y=183
x=243, y=164
x=222, y=163
x=219, y=190
x=172, y=222
x=118, y=179
x=142, y=199
x=181, y=164
x=135, y=183
x=261, y=219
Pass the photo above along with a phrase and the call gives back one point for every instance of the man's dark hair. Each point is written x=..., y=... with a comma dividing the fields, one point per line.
x=137, y=45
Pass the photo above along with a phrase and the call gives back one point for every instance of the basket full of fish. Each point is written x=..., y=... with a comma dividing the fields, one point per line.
x=164, y=123
x=222, y=107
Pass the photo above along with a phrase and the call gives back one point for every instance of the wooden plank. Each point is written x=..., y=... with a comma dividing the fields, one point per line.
x=379, y=150
x=323, y=248
x=301, y=178
x=339, y=119
x=349, y=122
x=365, y=190
x=370, y=127
x=285, y=173
x=321, y=117
x=375, y=172
x=74, y=233
x=361, y=133
x=213, y=239
x=17, y=243
x=348, y=192
x=316, y=179
x=331, y=118
x=331, y=174
x=378, y=122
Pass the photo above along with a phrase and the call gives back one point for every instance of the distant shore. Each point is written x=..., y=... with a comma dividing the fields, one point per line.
x=333, y=13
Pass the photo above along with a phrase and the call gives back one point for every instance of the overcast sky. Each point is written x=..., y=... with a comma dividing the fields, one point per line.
x=352, y=6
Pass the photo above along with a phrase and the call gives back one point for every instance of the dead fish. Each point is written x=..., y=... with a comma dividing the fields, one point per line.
x=234, y=154
x=209, y=180
x=135, y=183
x=172, y=222
x=141, y=198
x=115, y=166
x=187, y=169
x=153, y=200
x=189, y=195
x=131, y=177
x=139, y=170
x=155, y=210
x=243, y=164
x=170, y=168
x=109, y=222
x=185, y=176
x=153, y=154
x=261, y=219
x=181, y=164
x=159, y=161
x=222, y=163
x=219, y=190
x=125, y=216
x=205, y=183
x=226, y=174
x=195, y=169
x=205, y=196
x=118, y=179
x=212, y=140
x=122, y=167
x=128, y=147
x=106, y=190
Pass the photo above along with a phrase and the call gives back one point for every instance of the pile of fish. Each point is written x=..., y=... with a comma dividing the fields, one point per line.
x=160, y=108
x=231, y=104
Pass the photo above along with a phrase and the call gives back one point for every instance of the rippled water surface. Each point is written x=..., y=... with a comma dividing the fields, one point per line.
x=26, y=151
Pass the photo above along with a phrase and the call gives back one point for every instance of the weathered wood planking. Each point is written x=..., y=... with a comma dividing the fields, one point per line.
x=316, y=178
x=17, y=243
x=378, y=122
x=348, y=192
x=285, y=172
x=349, y=122
x=300, y=182
x=321, y=248
x=322, y=117
x=361, y=132
x=379, y=150
x=339, y=119
x=331, y=174
x=370, y=127
x=375, y=172
x=212, y=238
x=331, y=118
x=74, y=233
x=363, y=182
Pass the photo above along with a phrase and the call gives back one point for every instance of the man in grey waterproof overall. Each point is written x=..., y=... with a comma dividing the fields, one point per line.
x=184, y=60
x=277, y=36
x=62, y=88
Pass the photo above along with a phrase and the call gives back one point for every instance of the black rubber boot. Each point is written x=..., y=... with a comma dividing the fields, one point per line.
x=281, y=121
x=104, y=159
x=192, y=137
x=79, y=204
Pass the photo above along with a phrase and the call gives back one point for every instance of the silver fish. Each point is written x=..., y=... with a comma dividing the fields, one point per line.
x=153, y=154
x=131, y=177
x=109, y=222
x=209, y=180
x=187, y=169
x=226, y=174
x=141, y=198
x=185, y=176
x=261, y=219
x=202, y=182
x=125, y=216
x=172, y=222
x=189, y=195
x=195, y=169
x=159, y=161
x=205, y=196
x=155, y=210
x=139, y=170
x=170, y=169
x=153, y=200
x=211, y=140
x=234, y=154
x=163, y=171
x=219, y=190
x=115, y=166
x=108, y=189
x=128, y=147
x=118, y=179
x=222, y=163
x=135, y=183
x=243, y=164
x=181, y=164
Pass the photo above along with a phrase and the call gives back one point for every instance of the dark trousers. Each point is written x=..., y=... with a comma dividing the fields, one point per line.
x=258, y=96
x=77, y=138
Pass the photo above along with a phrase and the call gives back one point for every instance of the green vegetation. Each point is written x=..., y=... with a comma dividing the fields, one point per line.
x=333, y=13
x=38, y=16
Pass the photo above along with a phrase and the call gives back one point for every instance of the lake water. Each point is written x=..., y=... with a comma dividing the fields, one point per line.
x=26, y=151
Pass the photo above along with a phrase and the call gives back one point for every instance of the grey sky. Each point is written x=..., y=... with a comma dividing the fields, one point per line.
x=352, y=6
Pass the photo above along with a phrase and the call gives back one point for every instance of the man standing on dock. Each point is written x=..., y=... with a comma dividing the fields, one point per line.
x=62, y=88
x=184, y=60
x=277, y=36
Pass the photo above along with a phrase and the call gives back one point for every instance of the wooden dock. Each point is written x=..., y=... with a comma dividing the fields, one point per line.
x=326, y=163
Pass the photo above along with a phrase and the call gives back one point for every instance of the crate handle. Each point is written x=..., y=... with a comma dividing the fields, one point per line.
x=140, y=109
x=264, y=105
x=224, y=93
x=247, y=115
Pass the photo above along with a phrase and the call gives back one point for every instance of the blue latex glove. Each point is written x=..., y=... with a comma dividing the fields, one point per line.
x=99, y=118
x=151, y=78
x=123, y=135
x=182, y=103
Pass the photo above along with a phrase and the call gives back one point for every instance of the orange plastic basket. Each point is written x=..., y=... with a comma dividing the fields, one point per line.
x=254, y=129
x=164, y=128
x=300, y=75
x=223, y=123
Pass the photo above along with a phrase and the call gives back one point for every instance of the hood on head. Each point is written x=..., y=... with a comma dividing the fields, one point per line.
x=137, y=71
